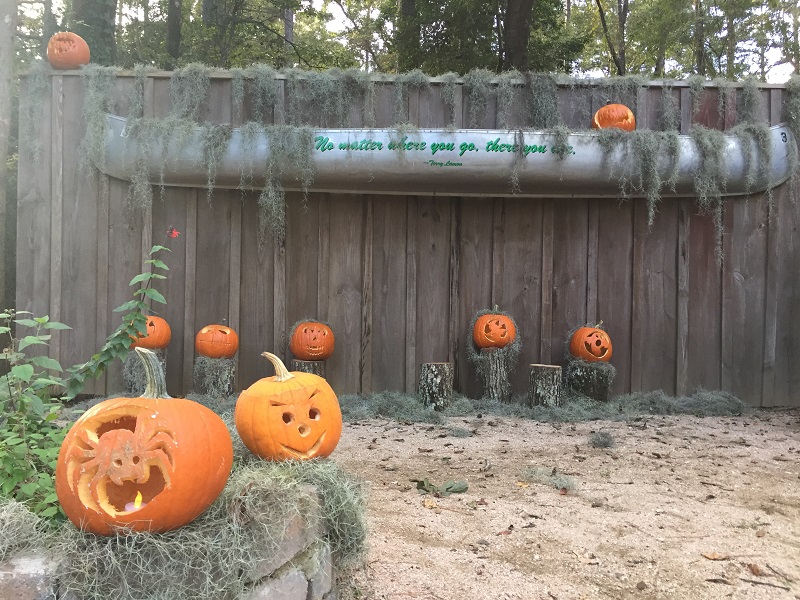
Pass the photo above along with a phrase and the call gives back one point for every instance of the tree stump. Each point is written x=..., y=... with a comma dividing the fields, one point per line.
x=133, y=374
x=545, y=385
x=496, y=383
x=436, y=385
x=317, y=367
x=214, y=376
x=591, y=379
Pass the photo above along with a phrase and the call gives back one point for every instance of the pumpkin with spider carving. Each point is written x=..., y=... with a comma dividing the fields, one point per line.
x=152, y=463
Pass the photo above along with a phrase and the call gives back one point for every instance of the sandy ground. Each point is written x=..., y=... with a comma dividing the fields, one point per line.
x=678, y=507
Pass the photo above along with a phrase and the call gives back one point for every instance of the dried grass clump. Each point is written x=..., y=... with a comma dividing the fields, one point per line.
x=214, y=556
x=551, y=477
x=397, y=406
x=21, y=529
x=601, y=439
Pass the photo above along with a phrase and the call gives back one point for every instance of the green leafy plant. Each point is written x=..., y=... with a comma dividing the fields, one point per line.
x=30, y=437
x=134, y=322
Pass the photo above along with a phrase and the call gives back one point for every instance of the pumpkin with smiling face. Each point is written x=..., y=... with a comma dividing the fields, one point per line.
x=289, y=415
x=616, y=116
x=151, y=463
x=494, y=331
x=591, y=344
x=312, y=340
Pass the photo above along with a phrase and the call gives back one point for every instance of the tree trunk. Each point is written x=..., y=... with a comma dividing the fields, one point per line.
x=8, y=26
x=95, y=22
x=730, y=55
x=517, y=32
x=408, y=31
x=699, y=38
x=174, y=21
x=615, y=48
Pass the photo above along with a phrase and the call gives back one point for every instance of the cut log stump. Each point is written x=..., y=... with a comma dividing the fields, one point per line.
x=214, y=376
x=317, y=367
x=495, y=378
x=591, y=379
x=436, y=385
x=545, y=385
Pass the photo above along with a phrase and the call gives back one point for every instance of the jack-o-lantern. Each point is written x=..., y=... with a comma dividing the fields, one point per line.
x=289, y=415
x=67, y=50
x=494, y=331
x=614, y=115
x=152, y=463
x=156, y=336
x=591, y=344
x=312, y=340
x=216, y=341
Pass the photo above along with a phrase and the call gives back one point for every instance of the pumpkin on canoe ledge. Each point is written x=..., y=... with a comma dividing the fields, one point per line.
x=291, y=415
x=151, y=463
x=614, y=115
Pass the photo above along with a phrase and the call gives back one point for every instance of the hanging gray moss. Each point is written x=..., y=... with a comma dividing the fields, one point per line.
x=725, y=95
x=188, y=89
x=213, y=376
x=697, y=86
x=494, y=366
x=450, y=92
x=215, y=143
x=622, y=90
x=751, y=107
x=478, y=86
x=261, y=81
x=709, y=181
x=413, y=80
x=670, y=118
x=136, y=94
x=508, y=83
x=542, y=101
x=30, y=111
x=98, y=84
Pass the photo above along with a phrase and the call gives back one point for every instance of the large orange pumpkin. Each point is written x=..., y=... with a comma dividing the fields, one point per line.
x=312, y=340
x=152, y=463
x=216, y=341
x=156, y=336
x=67, y=50
x=614, y=115
x=590, y=343
x=289, y=415
x=494, y=331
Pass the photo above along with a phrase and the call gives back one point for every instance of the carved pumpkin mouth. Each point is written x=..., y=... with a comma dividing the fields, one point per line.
x=310, y=453
x=314, y=350
x=597, y=350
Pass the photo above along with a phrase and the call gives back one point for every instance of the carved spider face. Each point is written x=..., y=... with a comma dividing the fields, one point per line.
x=116, y=456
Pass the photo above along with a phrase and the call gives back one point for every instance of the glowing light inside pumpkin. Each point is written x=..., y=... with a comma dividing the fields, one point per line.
x=136, y=504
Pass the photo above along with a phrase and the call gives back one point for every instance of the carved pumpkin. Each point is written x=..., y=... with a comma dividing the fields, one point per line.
x=157, y=334
x=614, y=115
x=591, y=344
x=216, y=341
x=494, y=331
x=152, y=463
x=67, y=50
x=289, y=415
x=312, y=341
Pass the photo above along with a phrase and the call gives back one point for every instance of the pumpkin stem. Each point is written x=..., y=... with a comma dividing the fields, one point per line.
x=156, y=386
x=281, y=372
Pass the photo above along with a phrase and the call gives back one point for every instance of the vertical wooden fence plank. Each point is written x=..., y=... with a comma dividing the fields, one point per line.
x=365, y=363
x=190, y=299
x=546, y=352
x=412, y=254
x=56, y=209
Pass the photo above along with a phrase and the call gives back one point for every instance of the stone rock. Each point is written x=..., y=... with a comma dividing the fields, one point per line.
x=291, y=585
x=26, y=577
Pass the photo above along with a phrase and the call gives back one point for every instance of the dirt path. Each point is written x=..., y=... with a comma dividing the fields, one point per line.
x=677, y=507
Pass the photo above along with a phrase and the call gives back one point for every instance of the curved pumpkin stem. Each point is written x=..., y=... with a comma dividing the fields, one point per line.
x=281, y=372
x=156, y=386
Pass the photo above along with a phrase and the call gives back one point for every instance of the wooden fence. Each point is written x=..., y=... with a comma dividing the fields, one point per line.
x=399, y=278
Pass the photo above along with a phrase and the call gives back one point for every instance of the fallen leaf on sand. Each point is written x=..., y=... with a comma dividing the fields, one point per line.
x=715, y=556
x=755, y=569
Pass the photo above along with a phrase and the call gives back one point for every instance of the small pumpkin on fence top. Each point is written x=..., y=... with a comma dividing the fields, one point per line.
x=591, y=344
x=312, y=340
x=152, y=463
x=494, y=330
x=289, y=415
x=157, y=334
x=216, y=341
x=614, y=115
x=67, y=50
